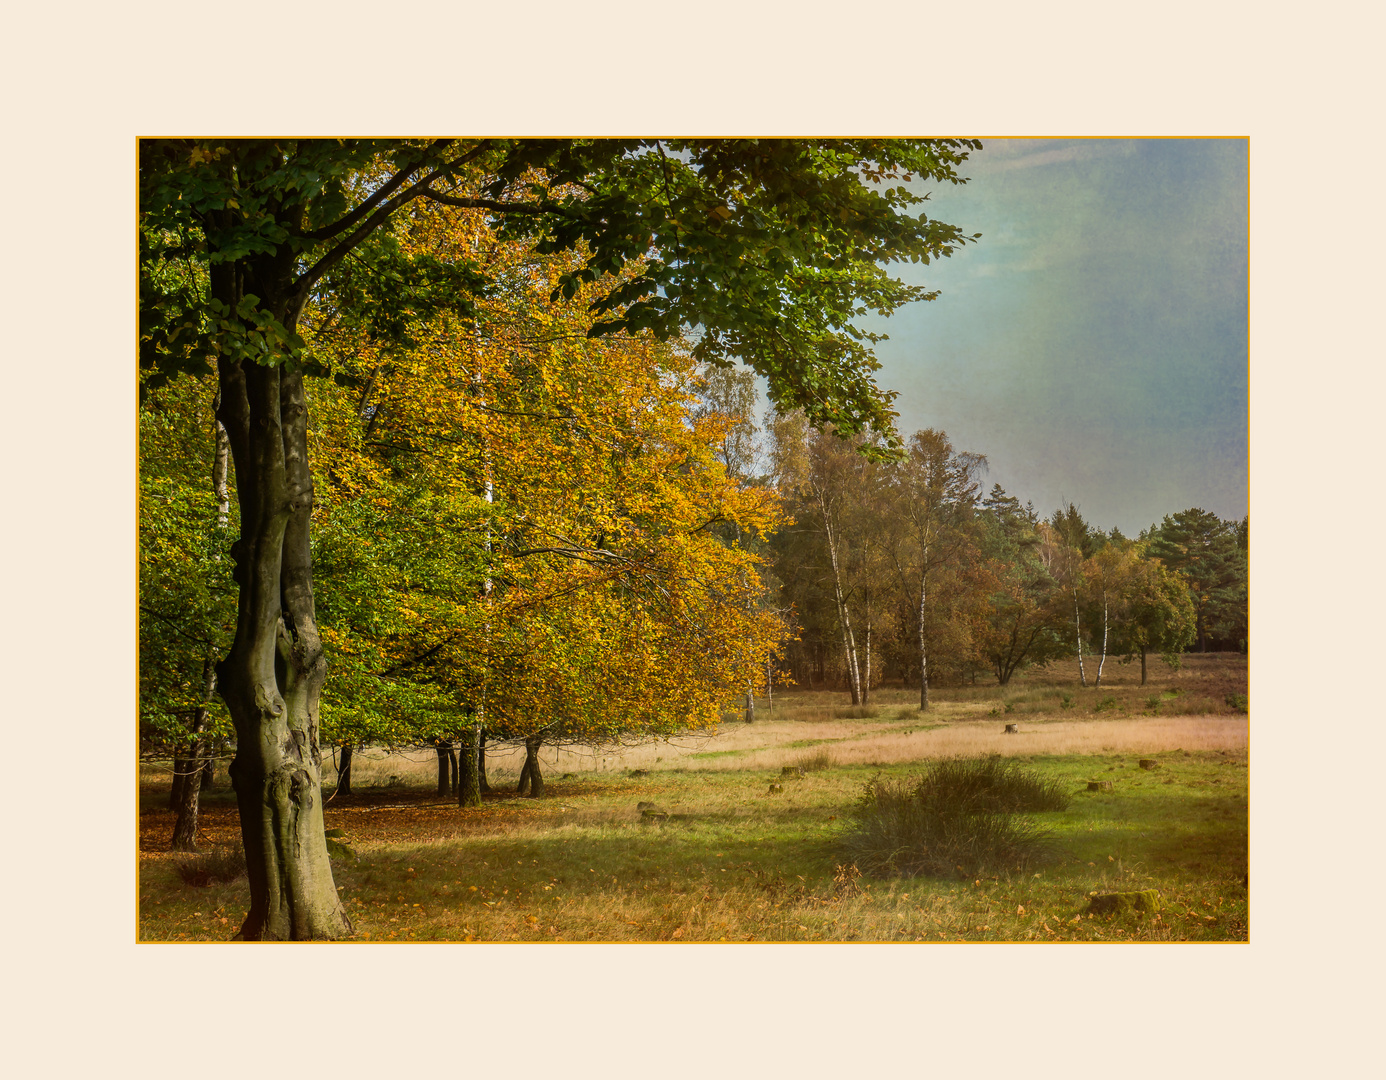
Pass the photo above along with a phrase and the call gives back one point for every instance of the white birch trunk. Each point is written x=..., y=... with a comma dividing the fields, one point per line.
x=1102, y=663
x=1078, y=635
x=843, y=618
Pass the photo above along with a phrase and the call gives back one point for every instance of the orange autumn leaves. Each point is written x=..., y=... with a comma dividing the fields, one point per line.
x=517, y=522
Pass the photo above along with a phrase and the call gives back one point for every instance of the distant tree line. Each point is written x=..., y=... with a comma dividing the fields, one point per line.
x=903, y=568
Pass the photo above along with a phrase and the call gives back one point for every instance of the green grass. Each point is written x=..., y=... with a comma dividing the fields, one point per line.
x=734, y=862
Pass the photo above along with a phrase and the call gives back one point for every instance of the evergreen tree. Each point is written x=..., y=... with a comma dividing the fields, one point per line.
x=1204, y=551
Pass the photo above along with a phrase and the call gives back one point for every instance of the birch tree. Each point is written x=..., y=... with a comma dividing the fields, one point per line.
x=935, y=494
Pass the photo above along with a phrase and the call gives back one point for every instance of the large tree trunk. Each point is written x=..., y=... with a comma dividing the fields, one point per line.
x=272, y=678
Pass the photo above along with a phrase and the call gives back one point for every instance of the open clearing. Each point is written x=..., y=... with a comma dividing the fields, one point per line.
x=734, y=861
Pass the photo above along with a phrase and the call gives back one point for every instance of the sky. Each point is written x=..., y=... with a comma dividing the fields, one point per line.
x=1093, y=343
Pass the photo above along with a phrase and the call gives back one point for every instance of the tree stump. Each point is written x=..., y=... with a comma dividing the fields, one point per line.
x=1123, y=903
x=1011, y=729
x=775, y=789
x=1099, y=785
x=1149, y=763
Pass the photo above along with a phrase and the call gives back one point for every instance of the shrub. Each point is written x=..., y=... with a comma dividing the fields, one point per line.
x=969, y=785
x=962, y=815
x=1236, y=702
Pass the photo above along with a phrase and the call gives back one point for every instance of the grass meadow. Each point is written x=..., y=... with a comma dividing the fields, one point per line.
x=734, y=860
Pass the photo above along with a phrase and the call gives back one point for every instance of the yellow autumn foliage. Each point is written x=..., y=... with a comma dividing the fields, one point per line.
x=515, y=521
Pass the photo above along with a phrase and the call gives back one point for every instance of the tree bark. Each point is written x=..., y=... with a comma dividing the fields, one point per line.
x=1142, y=665
x=452, y=770
x=188, y=779
x=1078, y=635
x=272, y=678
x=468, y=770
x=866, y=680
x=175, y=791
x=444, y=784
x=849, y=644
x=530, y=776
x=923, y=645
x=1103, y=662
x=482, y=783
x=344, y=772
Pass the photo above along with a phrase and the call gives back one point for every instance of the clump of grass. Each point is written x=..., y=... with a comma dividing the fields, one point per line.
x=972, y=785
x=208, y=868
x=816, y=761
x=961, y=816
x=1236, y=702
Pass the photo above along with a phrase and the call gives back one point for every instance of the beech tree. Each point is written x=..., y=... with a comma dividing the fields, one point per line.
x=769, y=248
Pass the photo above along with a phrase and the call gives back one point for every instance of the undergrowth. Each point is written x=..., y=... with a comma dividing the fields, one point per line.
x=963, y=816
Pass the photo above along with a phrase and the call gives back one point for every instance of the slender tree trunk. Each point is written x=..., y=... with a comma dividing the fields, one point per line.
x=1142, y=665
x=344, y=772
x=770, y=688
x=482, y=782
x=468, y=769
x=750, y=714
x=192, y=772
x=849, y=644
x=531, y=770
x=1078, y=635
x=531, y=778
x=272, y=678
x=923, y=645
x=1103, y=662
x=444, y=778
x=452, y=770
x=866, y=681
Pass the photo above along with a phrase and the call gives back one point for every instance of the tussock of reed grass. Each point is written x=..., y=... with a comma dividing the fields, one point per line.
x=962, y=816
